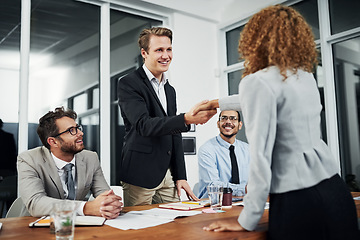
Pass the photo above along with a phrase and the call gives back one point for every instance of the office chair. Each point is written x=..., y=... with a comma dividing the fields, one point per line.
x=17, y=209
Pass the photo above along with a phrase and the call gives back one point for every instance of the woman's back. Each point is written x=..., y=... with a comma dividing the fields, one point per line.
x=299, y=156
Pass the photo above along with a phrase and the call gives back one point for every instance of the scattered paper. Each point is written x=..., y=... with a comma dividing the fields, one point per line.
x=181, y=206
x=147, y=218
x=210, y=210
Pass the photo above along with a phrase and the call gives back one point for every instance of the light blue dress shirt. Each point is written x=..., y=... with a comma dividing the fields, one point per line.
x=215, y=165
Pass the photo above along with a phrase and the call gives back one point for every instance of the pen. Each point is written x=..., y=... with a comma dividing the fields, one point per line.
x=196, y=203
x=33, y=223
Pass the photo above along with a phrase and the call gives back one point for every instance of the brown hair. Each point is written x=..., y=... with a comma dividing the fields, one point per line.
x=47, y=124
x=277, y=36
x=144, y=38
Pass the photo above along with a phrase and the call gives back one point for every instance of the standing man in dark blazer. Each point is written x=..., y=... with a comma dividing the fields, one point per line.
x=152, y=163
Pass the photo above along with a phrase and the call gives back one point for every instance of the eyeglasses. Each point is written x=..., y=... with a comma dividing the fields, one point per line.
x=73, y=130
x=225, y=118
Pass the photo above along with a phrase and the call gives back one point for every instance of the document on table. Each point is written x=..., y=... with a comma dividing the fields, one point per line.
x=147, y=218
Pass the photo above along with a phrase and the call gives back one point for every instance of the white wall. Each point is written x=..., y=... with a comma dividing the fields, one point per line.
x=240, y=9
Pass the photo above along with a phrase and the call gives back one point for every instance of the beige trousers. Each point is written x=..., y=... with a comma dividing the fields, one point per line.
x=165, y=192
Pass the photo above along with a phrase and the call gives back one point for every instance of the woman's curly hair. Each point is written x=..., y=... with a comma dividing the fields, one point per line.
x=277, y=36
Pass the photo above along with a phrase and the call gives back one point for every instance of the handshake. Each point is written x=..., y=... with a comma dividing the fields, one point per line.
x=201, y=112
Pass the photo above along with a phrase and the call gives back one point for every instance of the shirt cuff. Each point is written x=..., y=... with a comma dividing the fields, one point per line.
x=80, y=209
x=230, y=103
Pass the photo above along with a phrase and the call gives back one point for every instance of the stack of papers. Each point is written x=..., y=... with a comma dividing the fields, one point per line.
x=147, y=218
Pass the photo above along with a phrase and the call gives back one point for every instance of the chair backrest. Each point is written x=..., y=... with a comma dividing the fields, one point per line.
x=17, y=209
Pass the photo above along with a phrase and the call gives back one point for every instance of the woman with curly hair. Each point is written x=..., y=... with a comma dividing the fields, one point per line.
x=280, y=102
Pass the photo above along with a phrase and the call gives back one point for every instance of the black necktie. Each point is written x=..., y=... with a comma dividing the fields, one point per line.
x=234, y=166
x=69, y=181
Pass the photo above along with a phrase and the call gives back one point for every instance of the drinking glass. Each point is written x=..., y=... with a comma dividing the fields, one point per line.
x=63, y=214
x=215, y=193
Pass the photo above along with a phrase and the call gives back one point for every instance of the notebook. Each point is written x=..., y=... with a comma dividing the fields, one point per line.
x=79, y=221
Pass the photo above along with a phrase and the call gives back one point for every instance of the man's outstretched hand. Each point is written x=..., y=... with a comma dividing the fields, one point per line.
x=202, y=116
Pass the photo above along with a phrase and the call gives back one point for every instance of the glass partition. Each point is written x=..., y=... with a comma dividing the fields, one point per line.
x=64, y=60
x=347, y=82
x=10, y=19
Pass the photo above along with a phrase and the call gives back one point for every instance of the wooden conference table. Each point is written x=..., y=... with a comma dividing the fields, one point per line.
x=182, y=228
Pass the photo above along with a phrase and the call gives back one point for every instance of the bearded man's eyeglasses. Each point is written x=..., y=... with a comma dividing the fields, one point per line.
x=225, y=118
x=73, y=130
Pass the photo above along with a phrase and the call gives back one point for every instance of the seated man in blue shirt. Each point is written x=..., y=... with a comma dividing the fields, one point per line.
x=215, y=163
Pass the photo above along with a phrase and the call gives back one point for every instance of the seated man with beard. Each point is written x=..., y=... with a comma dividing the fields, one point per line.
x=224, y=159
x=61, y=170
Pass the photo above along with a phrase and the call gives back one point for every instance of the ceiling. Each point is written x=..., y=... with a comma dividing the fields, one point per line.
x=55, y=24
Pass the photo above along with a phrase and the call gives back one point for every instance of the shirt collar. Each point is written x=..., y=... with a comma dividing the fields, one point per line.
x=150, y=76
x=61, y=163
x=224, y=143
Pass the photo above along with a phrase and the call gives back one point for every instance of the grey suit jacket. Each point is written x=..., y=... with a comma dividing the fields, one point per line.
x=282, y=120
x=40, y=184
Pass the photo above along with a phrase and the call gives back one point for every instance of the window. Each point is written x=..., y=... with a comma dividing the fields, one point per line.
x=232, y=42
x=344, y=18
x=344, y=15
x=309, y=10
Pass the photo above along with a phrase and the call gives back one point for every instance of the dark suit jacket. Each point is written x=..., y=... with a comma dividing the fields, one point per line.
x=7, y=152
x=152, y=141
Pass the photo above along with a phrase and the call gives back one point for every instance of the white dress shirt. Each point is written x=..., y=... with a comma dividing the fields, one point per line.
x=60, y=166
x=158, y=86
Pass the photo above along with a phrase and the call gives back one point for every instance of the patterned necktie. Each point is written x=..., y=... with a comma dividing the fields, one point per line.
x=69, y=181
x=234, y=166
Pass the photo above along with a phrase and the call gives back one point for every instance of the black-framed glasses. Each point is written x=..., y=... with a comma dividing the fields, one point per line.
x=225, y=118
x=73, y=130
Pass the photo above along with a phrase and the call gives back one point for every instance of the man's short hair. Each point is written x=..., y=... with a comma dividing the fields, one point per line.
x=144, y=38
x=47, y=124
x=239, y=117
